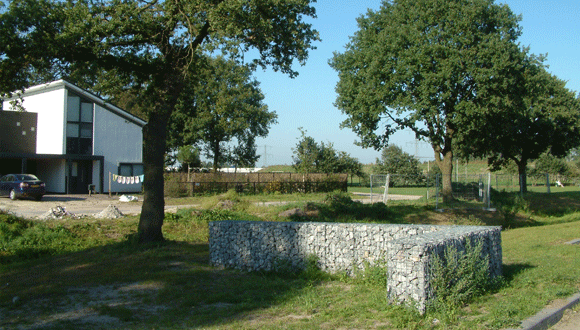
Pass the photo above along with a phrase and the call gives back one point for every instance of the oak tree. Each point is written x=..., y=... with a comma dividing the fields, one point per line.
x=548, y=120
x=226, y=109
x=313, y=157
x=430, y=66
x=150, y=47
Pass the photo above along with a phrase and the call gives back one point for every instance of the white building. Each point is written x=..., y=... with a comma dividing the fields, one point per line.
x=71, y=139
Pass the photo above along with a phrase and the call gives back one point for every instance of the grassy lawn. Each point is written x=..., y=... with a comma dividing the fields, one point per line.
x=89, y=273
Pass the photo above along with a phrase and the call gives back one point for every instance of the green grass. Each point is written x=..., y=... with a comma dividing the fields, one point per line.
x=66, y=268
x=273, y=197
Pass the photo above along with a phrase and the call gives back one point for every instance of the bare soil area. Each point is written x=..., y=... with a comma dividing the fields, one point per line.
x=570, y=320
x=75, y=204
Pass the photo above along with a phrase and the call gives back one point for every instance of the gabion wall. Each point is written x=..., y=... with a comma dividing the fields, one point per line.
x=407, y=249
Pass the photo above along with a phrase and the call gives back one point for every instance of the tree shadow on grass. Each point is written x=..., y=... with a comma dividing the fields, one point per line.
x=553, y=204
x=344, y=209
x=511, y=271
x=125, y=285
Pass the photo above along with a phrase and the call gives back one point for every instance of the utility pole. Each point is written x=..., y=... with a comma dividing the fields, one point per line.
x=266, y=155
x=417, y=143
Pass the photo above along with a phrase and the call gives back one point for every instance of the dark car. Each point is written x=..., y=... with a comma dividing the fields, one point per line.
x=21, y=185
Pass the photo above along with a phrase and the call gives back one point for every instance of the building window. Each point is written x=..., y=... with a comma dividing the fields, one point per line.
x=130, y=169
x=79, y=127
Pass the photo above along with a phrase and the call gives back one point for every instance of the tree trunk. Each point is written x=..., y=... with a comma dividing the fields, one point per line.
x=216, y=155
x=522, y=171
x=446, y=166
x=153, y=210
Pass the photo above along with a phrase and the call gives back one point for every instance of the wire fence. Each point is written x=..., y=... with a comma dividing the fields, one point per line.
x=543, y=183
x=400, y=187
x=469, y=190
x=474, y=190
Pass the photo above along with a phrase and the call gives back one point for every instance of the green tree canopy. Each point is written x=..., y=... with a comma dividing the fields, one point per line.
x=188, y=156
x=225, y=108
x=432, y=66
x=403, y=167
x=150, y=48
x=313, y=157
x=548, y=120
x=550, y=164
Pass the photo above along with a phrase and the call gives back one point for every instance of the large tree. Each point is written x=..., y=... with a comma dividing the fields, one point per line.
x=150, y=47
x=430, y=66
x=403, y=166
x=313, y=157
x=548, y=120
x=226, y=108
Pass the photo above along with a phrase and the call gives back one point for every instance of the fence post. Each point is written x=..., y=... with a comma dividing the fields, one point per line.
x=437, y=191
x=427, y=185
x=489, y=190
x=371, y=188
x=386, y=193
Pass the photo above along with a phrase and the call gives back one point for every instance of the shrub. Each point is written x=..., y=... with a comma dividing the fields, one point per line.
x=339, y=206
x=458, y=276
x=509, y=204
x=173, y=187
x=372, y=275
x=282, y=187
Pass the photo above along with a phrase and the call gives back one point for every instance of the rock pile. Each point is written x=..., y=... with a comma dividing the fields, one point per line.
x=111, y=212
x=58, y=212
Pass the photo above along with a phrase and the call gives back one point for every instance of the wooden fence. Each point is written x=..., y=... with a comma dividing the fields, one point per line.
x=180, y=184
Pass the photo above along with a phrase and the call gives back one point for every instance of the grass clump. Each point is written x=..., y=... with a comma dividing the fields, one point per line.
x=22, y=239
x=339, y=206
x=372, y=274
x=192, y=224
x=231, y=200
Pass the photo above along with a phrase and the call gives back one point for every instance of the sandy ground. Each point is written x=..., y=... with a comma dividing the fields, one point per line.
x=90, y=205
x=76, y=204
x=570, y=321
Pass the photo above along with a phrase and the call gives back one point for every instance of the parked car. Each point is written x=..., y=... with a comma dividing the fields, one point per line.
x=21, y=185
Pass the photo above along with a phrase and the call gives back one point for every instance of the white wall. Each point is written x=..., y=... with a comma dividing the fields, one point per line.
x=120, y=141
x=50, y=108
x=52, y=172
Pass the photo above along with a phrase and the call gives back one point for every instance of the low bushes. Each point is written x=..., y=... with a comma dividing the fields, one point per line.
x=458, y=276
x=22, y=239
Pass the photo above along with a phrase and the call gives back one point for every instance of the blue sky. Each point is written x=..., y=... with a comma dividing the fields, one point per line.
x=549, y=27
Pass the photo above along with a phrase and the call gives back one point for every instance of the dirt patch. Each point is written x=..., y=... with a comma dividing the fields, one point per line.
x=71, y=205
x=95, y=307
x=76, y=206
x=570, y=320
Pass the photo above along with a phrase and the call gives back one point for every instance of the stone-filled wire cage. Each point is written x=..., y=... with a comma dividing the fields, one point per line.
x=409, y=250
